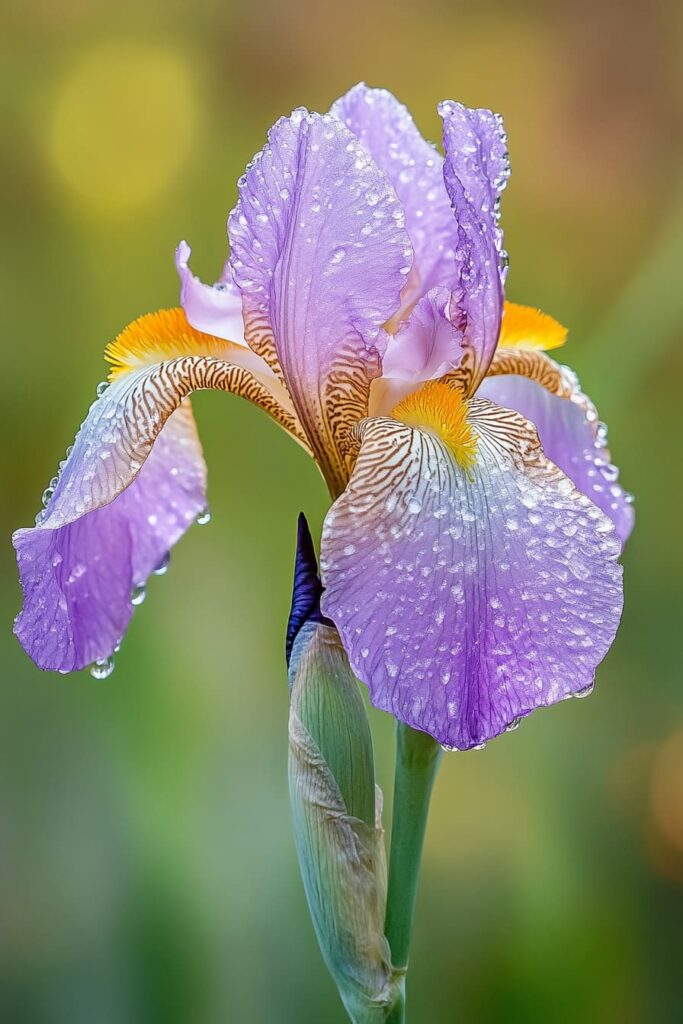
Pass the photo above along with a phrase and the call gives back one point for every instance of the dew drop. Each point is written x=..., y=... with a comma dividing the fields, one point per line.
x=162, y=567
x=586, y=692
x=102, y=668
x=138, y=595
x=101, y=388
x=204, y=518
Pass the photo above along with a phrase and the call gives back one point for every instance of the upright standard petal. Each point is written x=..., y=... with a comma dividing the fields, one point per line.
x=132, y=484
x=567, y=422
x=470, y=581
x=415, y=169
x=476, y=172
x=213, y=309
x=320, y=253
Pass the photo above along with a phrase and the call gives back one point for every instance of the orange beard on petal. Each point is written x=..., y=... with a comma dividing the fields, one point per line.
x=442, y=411
x=527, y=327
x=163, y=335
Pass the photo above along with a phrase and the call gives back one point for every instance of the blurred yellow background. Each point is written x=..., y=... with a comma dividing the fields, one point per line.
x=147, y=872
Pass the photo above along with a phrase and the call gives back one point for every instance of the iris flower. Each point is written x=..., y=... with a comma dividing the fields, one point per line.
x=470, y=557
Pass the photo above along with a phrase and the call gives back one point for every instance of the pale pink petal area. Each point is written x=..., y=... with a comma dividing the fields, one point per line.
x=427, y=345
x=465, y=602
x=320, y=253
x=572, y=437
x=213, y=309
x=476, y=172
x=415, y=168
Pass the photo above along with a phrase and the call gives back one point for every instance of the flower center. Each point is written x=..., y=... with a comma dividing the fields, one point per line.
x=442, y=411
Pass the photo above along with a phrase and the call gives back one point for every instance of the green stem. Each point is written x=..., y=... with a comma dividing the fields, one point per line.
x=417, y=760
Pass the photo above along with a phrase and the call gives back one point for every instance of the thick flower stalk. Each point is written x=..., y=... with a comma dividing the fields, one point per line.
x=470, y=557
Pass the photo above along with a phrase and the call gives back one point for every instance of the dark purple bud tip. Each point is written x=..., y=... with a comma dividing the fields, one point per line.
x=307, y=586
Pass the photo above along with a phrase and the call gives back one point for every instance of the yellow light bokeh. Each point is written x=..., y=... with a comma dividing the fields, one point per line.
x=667, y=790
x=124, y=121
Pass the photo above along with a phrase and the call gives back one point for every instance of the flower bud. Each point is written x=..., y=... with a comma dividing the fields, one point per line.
x=335, y=805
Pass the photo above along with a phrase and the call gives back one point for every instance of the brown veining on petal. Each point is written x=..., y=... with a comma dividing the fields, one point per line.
x=259, y=337
x=534, y=364
x=171, y=381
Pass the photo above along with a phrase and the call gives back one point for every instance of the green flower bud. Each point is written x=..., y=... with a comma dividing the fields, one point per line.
x=337, y=810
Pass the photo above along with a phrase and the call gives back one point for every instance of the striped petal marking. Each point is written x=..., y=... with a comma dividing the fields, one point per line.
x=132, y=484
x=469, y=579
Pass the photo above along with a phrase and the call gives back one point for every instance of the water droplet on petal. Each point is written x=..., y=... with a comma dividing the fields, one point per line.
x=162, y=567
x=101, y=388
x=586, y=692
x=138, y=595
x=514, y=724
x=102, y=668
x=204, y=518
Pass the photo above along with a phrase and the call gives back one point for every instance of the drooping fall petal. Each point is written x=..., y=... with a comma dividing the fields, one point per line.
x=468, y=591
x=78, y=578
x=133, y=483
x=568, y=426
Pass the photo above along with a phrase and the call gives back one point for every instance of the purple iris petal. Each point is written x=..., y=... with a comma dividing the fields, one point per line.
x=476, y=172
x=465, y=603
x=427, y=345
x=214, y=309
x=320, y=253
x=572, y=438
x=118, y=508
x=415, y=169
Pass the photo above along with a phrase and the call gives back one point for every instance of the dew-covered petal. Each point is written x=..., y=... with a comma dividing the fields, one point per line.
x=425, y=346
x=476, y=172
x=320, y=253
x=415, y=169
x=571, y=434
x=214, y=309
x=130, y=486
x=464, y=602
x=77, y=579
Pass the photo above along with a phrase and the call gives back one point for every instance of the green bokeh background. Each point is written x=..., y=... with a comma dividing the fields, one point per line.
x=147, y=872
